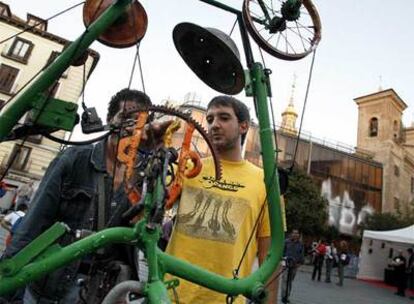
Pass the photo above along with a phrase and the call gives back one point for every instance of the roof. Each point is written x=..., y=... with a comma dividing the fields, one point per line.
x=380, y=95
x=404, y=235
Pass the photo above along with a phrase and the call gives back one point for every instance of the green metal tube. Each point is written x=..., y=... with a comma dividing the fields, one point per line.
x=203, y=277
x=155, y=289
x=269, y=157
x=13, y=112
x=157, y=293
x=64, y=256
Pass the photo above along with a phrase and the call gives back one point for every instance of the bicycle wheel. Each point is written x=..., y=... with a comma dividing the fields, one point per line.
x=281, y=31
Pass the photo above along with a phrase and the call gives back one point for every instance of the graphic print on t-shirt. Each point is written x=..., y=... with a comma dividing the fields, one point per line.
x=211, y=215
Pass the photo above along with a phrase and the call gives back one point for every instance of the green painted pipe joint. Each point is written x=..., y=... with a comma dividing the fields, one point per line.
x=259, y=293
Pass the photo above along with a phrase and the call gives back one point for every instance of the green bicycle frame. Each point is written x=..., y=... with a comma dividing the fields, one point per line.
x=40, y=258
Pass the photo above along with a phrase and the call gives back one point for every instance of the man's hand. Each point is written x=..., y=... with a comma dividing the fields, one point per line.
x=153, y=134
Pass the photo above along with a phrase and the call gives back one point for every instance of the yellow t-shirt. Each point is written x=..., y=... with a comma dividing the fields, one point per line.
x=214, y=222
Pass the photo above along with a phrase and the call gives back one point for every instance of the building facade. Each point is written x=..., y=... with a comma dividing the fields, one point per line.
x=26, y=48
x=382, y=135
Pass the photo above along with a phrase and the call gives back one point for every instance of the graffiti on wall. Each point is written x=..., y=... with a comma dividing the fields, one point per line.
x=342, y=212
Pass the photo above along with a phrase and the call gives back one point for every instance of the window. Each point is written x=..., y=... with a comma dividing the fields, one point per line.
x=397, y=203
x=20, y=157
x=2, y=103
x=4, y=10
x=8, y=75
x=36, y=139
x=395, y=127
x=20, y=50
x=396, y=171
x=373, y=127
x=412, y=184
x=37, y=22
x=52, y=57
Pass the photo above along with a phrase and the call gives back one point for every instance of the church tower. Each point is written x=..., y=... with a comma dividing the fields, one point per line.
x=382, y=136
x=290, y=115
x=379, y=119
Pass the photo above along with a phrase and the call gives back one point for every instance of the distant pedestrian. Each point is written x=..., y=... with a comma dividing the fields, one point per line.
x=293, y=255
x=12, y=220
x=24, y=194
x=318, y=258
x=343, y=259
x=399, y=263
x=329, y=260
x=410, y=270
x=3, y=189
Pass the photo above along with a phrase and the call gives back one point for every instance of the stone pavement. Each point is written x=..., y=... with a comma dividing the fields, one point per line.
x=306, y=291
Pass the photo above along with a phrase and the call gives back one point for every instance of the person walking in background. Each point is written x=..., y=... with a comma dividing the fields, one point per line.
x=24, y=194
x=318, y=258
x=12, y=220
x=399, y=263
x=410, y=270
x=293, y=255
x=329, y=260
x=3, y=189
x=343, y=260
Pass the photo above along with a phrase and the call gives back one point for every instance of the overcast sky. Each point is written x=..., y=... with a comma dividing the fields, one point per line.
x=361, y=42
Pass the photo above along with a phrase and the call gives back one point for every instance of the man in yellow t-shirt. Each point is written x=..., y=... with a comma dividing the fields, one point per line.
x=216, y=217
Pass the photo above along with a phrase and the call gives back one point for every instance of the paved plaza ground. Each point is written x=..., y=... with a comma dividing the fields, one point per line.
x=306, y=291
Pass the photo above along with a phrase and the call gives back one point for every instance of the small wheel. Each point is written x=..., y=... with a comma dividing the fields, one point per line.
x=282, y=30
x=126, y=31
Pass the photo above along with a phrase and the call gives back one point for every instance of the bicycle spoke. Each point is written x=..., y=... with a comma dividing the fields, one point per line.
x=257, y=16
x=278, y=39
x=270, y=37
x=263, y=28
x=271, y=8
x=306, y=27
x=288, y=44
x=300, y=35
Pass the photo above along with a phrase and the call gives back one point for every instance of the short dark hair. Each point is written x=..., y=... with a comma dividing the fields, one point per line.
x=239, y=108
x=123, y=95
x=22, y=207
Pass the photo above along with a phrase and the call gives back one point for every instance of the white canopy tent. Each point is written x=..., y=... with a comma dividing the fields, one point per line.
x=379, y=247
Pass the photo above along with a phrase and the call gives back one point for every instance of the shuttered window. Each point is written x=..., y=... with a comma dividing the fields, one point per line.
x=8, y=75
x=20, y=50
x=20, y=157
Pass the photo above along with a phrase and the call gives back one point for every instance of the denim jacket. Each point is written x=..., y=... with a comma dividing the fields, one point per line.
x=68, y=193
